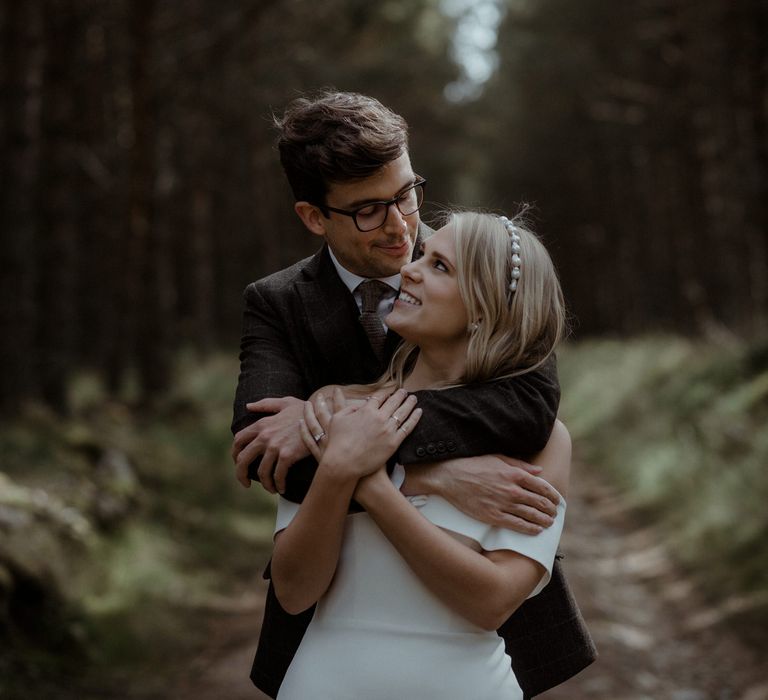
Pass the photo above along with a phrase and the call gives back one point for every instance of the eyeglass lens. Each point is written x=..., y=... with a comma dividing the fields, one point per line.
x=373, y=216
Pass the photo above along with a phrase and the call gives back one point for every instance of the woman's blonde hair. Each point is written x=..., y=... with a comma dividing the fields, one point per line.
x=511, y=332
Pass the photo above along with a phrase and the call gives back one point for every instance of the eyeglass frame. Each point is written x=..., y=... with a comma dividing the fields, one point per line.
x=352, y=213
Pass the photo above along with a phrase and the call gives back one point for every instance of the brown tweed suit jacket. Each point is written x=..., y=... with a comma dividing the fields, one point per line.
x=301, y=332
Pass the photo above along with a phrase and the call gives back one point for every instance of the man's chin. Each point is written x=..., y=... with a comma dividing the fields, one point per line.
x=391, y=266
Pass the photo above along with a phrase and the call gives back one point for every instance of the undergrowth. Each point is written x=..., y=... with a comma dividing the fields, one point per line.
x=131, y=527
x=680, y=427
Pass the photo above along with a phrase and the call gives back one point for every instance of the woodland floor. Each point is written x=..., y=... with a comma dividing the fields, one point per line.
x=657, y=639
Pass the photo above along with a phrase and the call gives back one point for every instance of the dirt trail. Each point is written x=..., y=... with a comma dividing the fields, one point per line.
x=657, y=641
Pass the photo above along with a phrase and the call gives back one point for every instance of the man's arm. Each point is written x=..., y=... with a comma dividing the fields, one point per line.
x=508, y=416
x=268, y=369
x=453, y=455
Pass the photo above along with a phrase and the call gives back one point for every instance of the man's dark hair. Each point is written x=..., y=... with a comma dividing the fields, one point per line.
x=336, y=137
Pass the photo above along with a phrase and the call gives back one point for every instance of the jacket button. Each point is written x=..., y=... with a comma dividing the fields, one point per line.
x=451, y=446
x=431, y=449
x=420, y=452
x=441, y=446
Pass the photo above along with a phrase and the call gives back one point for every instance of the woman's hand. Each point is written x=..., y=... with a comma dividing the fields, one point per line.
x=355, y=440
x=318, y=412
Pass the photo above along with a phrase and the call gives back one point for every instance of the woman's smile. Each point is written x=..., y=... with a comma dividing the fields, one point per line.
x=407, y=298
x=429, y=309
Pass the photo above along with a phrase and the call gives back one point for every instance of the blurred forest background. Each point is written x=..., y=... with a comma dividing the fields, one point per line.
x=141, y=192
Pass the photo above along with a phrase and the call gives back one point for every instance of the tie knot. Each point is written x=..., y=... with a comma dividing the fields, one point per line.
x=372, y=292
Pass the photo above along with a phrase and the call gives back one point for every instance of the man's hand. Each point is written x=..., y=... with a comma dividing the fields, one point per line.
x=502, y=491
x=276, y=437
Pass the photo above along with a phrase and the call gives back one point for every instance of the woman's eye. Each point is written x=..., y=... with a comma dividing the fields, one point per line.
x=440, y=265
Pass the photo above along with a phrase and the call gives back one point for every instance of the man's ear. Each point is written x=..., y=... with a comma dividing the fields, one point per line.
x=311, y=217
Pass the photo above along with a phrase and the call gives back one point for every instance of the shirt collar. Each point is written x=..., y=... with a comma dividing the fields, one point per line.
x=353, y=281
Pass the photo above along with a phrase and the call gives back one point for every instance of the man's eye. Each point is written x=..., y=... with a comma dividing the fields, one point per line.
x=367, y=211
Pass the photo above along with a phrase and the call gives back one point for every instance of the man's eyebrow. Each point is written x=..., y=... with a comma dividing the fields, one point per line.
x=362, y=202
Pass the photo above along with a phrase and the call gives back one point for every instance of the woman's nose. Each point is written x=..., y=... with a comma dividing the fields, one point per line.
x=410, y=270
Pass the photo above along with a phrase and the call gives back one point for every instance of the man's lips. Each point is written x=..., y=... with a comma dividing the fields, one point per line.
x=396, y=250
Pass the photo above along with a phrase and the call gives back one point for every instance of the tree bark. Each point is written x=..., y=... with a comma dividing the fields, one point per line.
x=22, y=59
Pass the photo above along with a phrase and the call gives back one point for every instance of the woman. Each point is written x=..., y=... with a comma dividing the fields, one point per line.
x=411, y=591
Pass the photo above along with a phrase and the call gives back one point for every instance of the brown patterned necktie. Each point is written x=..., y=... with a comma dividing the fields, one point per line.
x=372, y=292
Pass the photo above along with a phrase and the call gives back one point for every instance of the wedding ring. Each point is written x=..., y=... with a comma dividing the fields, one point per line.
x=396, y=419
x=319, y=436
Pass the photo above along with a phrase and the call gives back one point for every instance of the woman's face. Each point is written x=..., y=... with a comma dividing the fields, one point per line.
x=429, y=309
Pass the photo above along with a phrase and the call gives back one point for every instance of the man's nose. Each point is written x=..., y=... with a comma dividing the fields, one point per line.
x=395, y=221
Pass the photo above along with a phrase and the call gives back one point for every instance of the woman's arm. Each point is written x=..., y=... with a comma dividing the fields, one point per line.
x=357, y=442
x=484, y=587
x=307, y=551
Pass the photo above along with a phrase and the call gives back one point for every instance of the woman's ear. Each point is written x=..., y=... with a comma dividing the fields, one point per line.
x=311, y=217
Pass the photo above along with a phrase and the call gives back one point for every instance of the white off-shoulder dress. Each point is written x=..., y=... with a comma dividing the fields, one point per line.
x=378, y=633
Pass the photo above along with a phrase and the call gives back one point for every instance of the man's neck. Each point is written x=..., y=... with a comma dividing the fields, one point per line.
x=352, y=280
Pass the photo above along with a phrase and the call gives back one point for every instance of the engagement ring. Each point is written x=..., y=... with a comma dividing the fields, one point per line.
x=319, y=436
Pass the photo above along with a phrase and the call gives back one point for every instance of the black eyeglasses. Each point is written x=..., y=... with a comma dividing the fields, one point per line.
x=373, y=215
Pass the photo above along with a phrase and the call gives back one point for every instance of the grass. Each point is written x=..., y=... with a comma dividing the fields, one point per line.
x=139, y=530
x=680, y=427
x=135, y=524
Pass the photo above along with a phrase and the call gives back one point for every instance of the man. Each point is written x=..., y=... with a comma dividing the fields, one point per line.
x=319, y=322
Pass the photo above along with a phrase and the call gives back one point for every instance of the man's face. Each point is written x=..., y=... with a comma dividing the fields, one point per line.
x=383, y=251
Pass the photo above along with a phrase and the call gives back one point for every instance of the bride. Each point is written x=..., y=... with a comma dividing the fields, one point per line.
x=410, y=591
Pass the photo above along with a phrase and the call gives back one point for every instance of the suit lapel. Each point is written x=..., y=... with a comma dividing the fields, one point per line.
x=332, y=315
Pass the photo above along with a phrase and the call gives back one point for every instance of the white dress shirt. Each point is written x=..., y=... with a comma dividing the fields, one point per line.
x=353, y=281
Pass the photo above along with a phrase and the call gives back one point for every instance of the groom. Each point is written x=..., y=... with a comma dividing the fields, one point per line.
x=319, y=322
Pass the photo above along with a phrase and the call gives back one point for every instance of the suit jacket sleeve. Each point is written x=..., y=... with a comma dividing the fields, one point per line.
x=269, y=368
x=513, y=417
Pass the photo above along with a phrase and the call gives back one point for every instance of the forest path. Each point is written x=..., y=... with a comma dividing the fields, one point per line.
x=657, y=640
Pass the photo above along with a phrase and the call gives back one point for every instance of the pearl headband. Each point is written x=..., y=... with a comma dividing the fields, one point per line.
x=515, y=245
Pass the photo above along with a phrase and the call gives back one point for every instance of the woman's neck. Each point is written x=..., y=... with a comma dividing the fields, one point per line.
x=436, y=368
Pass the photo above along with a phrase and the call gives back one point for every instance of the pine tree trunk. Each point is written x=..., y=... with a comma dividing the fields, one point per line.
x=22, y=59
x=57, y=329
